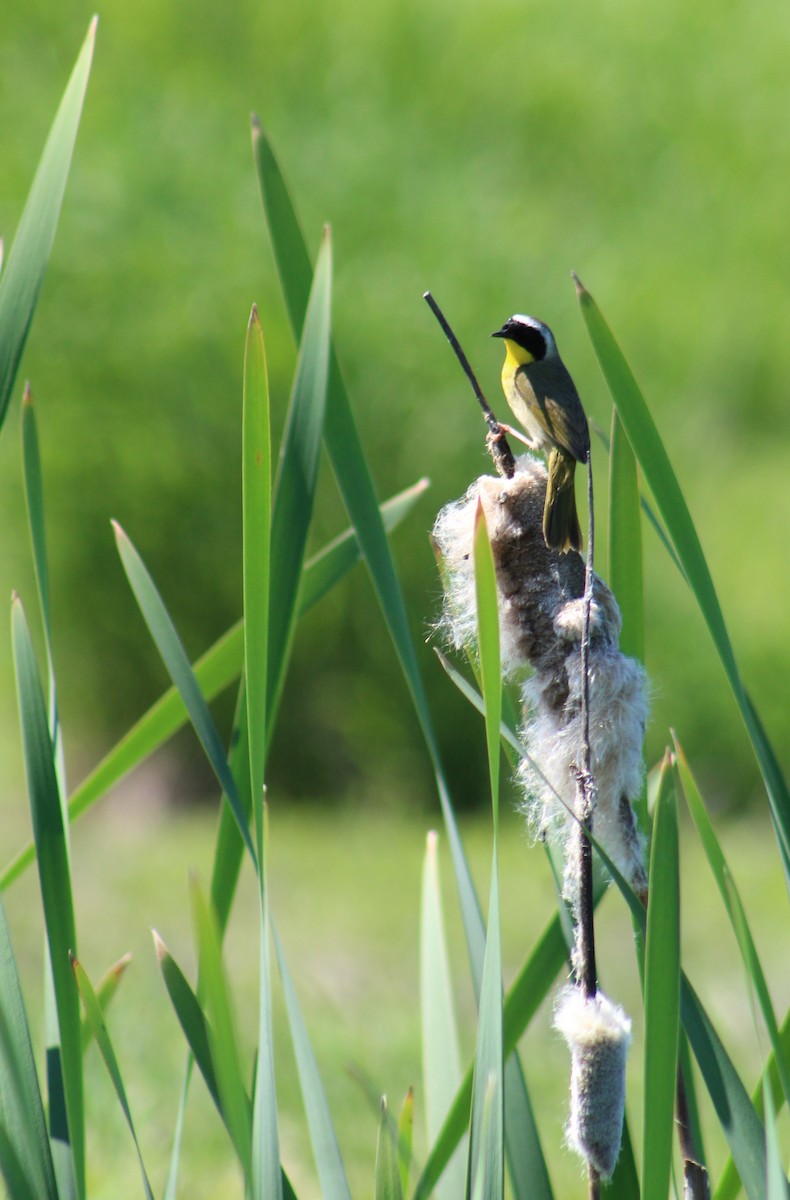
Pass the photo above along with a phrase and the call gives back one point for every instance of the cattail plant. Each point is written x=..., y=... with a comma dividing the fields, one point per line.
x=542, y=619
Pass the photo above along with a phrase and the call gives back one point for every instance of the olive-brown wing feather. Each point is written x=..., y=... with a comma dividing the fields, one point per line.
x=548, y=385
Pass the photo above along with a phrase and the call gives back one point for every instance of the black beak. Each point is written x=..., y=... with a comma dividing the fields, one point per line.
x=503, y=332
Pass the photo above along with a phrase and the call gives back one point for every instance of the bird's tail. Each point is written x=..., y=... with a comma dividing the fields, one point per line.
x=560, y=521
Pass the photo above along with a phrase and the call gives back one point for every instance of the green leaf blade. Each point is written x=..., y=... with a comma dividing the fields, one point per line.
x=23, y=277
x=25, y=1157
x=441, y=1054
x=172, y=652
x=256, y=509
x=297, y=472
x=662, y=992
x=56, y=894
x=101, y=1036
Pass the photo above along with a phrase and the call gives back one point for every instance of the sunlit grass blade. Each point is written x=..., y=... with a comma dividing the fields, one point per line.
x=25, y=1158
x=266, y=1172
x=524, y=997
x=101, y=1035
x=297, y=471
x=487, y=1123
x=736, y=1113
x=488, y=649
x=662, y=481
x=174, y=656
x=326, y=1151
x=441, y=1054
x=777, y=1182
x=228, y=845
x=387, y=1184
x=214, y=671
x=353, y=477
x=191, y=1018
x=256, y=510
x=23, y=276
x=67, y=1127
x=105, y=993
x=405, y=1138
x=222, y=1038
x=625, y=541
x=729, y=1184
x=34, y=495
x=735, y=912
x=662, y=991
x=526, y=1162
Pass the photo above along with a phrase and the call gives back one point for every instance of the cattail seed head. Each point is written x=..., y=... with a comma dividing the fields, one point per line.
x=598, y=1034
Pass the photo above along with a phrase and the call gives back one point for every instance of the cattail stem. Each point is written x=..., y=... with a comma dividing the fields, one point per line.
x=586, y=968
x=696, y=1185
x=498, y=445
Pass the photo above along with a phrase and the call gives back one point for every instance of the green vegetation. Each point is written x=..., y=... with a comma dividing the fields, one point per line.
x=238, y=925
x=483, y=153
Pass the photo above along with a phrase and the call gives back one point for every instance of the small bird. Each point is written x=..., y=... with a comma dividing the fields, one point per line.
x=543, y=397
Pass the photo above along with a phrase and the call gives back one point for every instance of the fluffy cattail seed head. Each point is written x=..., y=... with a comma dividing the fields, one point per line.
x=598, y=1034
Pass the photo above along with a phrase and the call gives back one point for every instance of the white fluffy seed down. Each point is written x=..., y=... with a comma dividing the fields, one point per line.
x=598, y=1034
x=541, y=617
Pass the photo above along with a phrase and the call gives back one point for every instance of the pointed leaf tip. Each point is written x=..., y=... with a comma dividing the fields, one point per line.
x=580, y=288
x=159, y=947
x=27, y=395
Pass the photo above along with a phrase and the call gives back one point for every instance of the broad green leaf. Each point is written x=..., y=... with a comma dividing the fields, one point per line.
x=729, y=1184
x=625, y=541
x=223, y=1041
x=266, y=1172
x=105, y=993
x=441, y=1054
x=662, y=481
x=297, y=471
x=487, y=1123
x=215, y=670
x=735, y=912
x=21, y=281
x=387, y=1180
x=256, y=510
x=25, y=1158
x=67, y=1126
x=662, y=992
x=101, y=1035
x=174, y=656
x=326, y=1151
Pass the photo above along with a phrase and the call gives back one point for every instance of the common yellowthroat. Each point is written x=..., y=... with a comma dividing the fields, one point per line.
x=543, y=397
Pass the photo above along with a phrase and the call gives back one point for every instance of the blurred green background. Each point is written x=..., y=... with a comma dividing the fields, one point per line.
x=481, y=151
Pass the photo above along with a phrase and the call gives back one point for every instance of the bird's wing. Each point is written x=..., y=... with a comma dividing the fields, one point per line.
x=556, y=394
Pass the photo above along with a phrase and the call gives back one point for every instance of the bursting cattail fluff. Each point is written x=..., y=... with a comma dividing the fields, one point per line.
x=541, y=620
